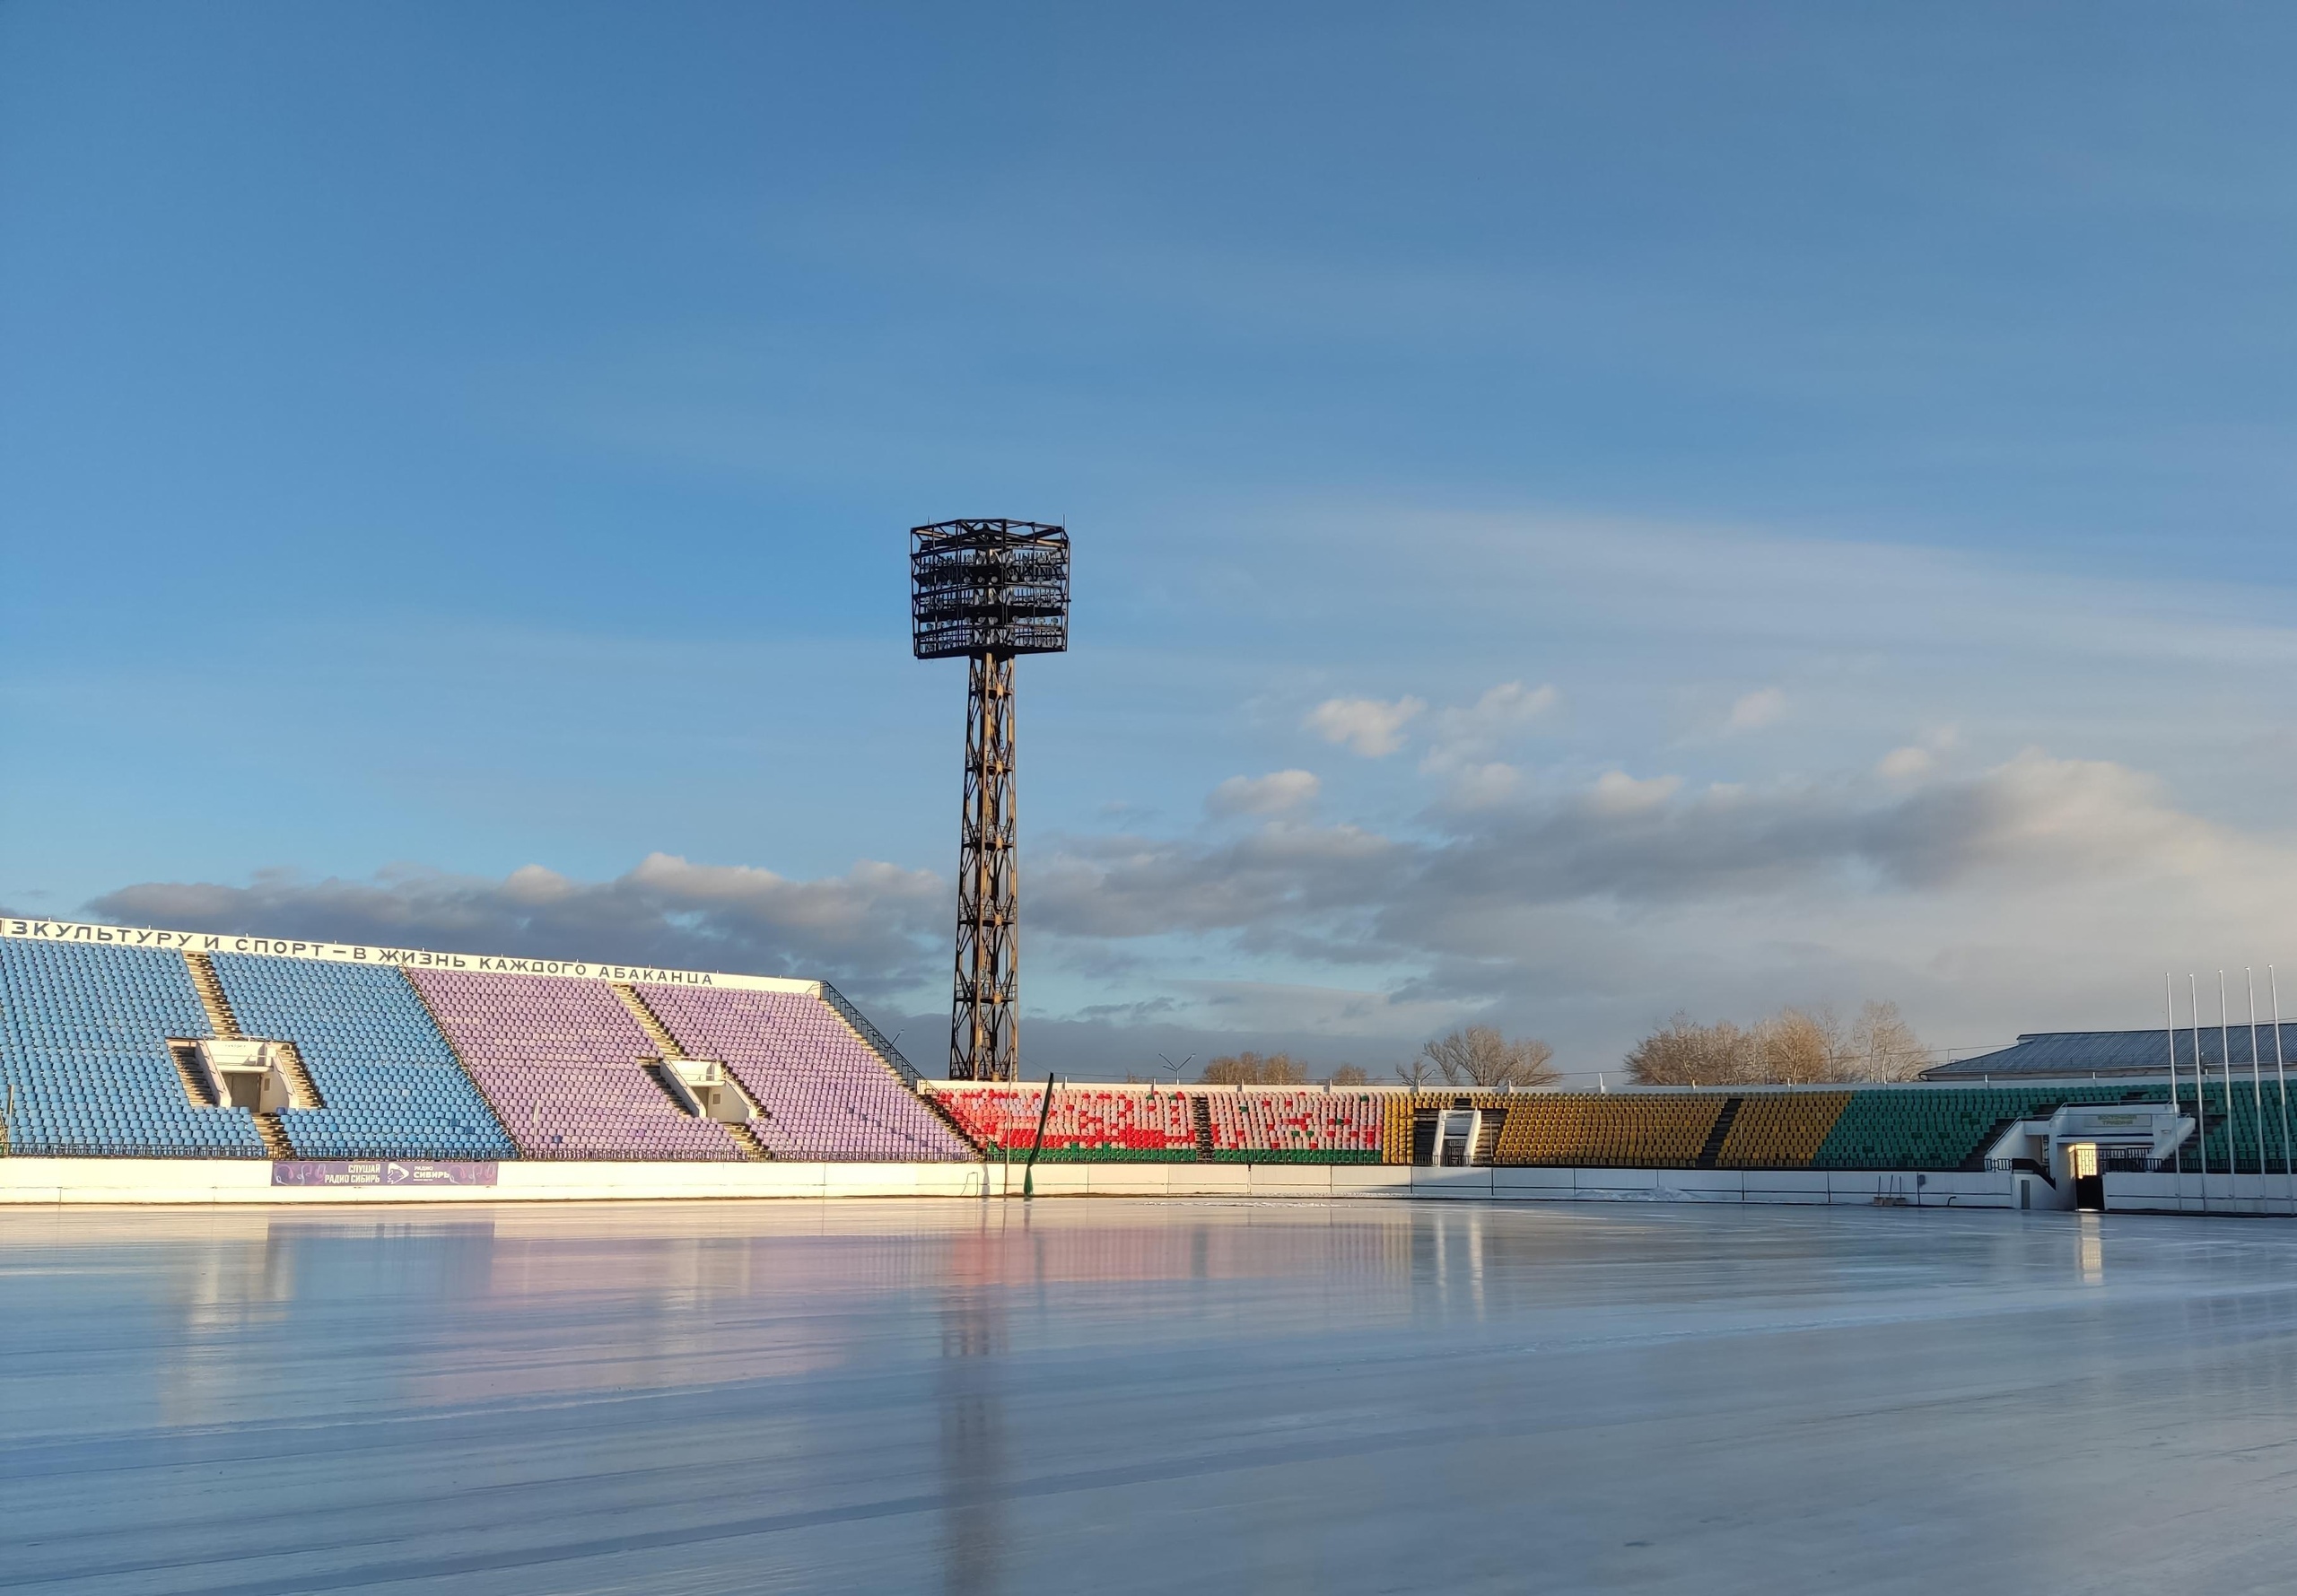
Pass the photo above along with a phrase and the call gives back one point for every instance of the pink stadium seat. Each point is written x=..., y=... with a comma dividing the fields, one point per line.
x=560, y=1060
x=826, y=1093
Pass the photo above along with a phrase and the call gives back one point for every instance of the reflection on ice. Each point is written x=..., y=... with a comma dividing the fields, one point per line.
x=970, y=1403
x=995, y=1396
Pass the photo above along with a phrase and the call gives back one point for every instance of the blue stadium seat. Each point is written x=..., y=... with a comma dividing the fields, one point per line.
x=83, y=1033
x=389, y=1084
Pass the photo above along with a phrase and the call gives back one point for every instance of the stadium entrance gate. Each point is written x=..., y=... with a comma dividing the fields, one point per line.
x=2089, y=1184
x=1455, y=1137
x=2061, y=1162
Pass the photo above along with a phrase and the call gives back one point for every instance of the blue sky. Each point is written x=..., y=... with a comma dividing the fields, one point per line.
x=1823, y=477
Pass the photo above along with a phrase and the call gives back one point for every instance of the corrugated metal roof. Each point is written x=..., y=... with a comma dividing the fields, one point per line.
x=2118, y=1052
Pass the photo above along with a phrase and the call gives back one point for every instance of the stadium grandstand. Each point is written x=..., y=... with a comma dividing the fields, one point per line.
x=120, y=1044
x=161, y=1044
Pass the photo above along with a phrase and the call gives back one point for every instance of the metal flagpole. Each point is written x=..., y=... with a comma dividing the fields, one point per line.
x=2200, y=1087
x=2281, y=1073
x=2169, y=1009
x=2225, y=1056
x=2256, y=1074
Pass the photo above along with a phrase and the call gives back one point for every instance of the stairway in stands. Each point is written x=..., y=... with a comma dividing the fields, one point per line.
x=300, y=1083
x=225, y=1023
x=1486, y=1135
x=1202, y=1112
x=660, y=1035
x=220, y=1018
x=1975, y=1159
x=648, y=1021
x=275, y=1135
x=940, y=1110
x=185, y=1058
x=1713, y=1150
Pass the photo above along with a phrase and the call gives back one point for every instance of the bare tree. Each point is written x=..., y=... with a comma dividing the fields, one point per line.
x=1684, y=1053
x=1883, y=1046
x=1350, y=1075
x=1480, y=1056
x=1415, y=1074
x=1795, y=1046
x=1256, y=1069
x=1799, y=1046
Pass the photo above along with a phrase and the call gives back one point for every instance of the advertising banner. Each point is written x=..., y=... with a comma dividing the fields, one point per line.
x=379, y=1171
x=408, y=958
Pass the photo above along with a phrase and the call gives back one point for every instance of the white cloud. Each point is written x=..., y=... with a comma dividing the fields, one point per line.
x=878, y=927
x=1339, y=1012
x=1506, y=708
x=1756, y=710
x=1480, y=786
x=1915, y=760
x=1272, y=793
x=1615, y=792
x=1467, y=736
x=2043, y=891
x=2022, y=897
x=1146, y=887
x=1365, y=726
x=2038, y=819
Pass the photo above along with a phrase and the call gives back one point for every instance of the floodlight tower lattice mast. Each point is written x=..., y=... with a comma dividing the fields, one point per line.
x=988, y=591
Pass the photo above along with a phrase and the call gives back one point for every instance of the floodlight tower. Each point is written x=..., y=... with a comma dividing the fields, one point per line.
x=988, y=590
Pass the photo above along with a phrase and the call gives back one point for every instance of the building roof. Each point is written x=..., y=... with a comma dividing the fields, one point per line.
x=2118, y=1052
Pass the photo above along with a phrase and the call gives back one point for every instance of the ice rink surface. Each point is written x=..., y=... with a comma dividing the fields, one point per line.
x=1135, y=1396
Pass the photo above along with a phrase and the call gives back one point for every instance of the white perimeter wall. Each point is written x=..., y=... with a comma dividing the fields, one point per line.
x=248, y=1181
x=2197, y=1194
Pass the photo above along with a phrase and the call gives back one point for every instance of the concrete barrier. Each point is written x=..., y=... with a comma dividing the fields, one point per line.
x=54, y=1181
x=1703, y=1185
x=1531, y=1184
x=2192, y=1193
x=1456, y=1183
x=1956, y=1190
x=1370, y=1180
x=1638, y=1183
